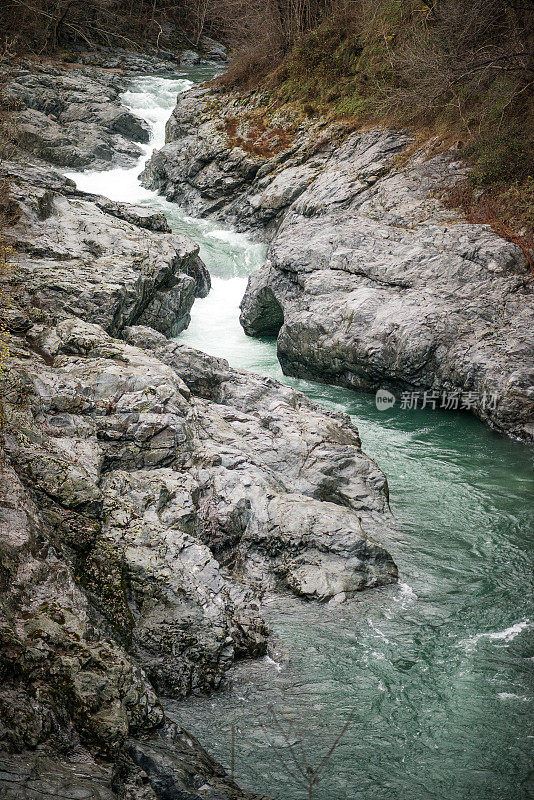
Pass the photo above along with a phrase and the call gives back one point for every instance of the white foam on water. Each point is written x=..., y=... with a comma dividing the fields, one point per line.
x=379, y=632
x=506, y=635
x=272, y=663
x=214, y=325
x=117, y=184
x=379, y=656
x=230, y=256
x=153, y=100
x=510, y=633
x=233, y=238
x=509, y=696
x=406, y=595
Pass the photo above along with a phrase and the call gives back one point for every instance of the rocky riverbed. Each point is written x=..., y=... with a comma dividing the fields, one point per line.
x=152, y=494
x=370, y=281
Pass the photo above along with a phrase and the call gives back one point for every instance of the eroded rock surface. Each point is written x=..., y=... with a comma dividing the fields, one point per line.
x=79, y=718
x=288, y=496
x=369, y=281
x=103, y=261
x=197, y=169
x=151, y=495
x=74, y=117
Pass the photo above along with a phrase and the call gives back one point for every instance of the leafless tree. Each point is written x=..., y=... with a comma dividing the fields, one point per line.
x=294, y=758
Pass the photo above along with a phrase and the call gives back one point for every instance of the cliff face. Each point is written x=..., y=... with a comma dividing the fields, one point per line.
x=150, y=496
x=370, y=282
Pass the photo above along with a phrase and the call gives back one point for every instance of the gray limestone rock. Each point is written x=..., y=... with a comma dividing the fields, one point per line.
x=74, y=117
x=39, y=777
x=381, y=287
x=181, y=485
x=370, y=282
x=213, y=50
x=189, y=58
x=70, y=690
x=106, y=262
x=272, y=459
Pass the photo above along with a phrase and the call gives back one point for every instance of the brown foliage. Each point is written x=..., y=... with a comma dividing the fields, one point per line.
x=254, y=135
x=458, y=69
x=246, y=23
x=509, y=210
x=44, y=26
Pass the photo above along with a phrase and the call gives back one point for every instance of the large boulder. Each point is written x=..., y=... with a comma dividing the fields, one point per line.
x=285, y=492
x=74, y=117
x=370, y=282
x=105, y=262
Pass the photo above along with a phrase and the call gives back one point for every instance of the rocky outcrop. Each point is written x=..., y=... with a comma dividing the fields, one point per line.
x=102, y=261
x=74, y=117
x=370, y=282
x=151, y=496
x=172, y=765
x=161, y=62
x=289, y=497
x=197, y=169
x=79, y=718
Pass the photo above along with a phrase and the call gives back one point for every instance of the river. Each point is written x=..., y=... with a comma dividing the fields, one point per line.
x=437, y=670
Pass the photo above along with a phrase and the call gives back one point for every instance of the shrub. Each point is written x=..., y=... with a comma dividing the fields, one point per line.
x=459, y=69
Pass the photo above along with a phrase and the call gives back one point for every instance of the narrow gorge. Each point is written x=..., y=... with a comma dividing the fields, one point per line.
x=196, y=540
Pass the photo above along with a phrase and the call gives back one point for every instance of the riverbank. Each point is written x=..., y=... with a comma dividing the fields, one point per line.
x=153, y=494
x=370, y=282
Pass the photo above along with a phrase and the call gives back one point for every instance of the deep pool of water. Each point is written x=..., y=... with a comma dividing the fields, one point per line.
x=437, y=670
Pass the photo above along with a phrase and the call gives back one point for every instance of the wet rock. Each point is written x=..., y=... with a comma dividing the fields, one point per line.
x=213, y=50
x=37, y=777
x=181, y=767
x=279, y=468
x=156, y=62
x=173, y=766
x=189, y=58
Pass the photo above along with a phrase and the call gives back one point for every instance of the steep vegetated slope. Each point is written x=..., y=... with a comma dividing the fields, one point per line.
x=452, y=68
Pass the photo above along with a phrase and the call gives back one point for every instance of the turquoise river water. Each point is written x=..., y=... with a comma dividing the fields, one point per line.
x=438, y=669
